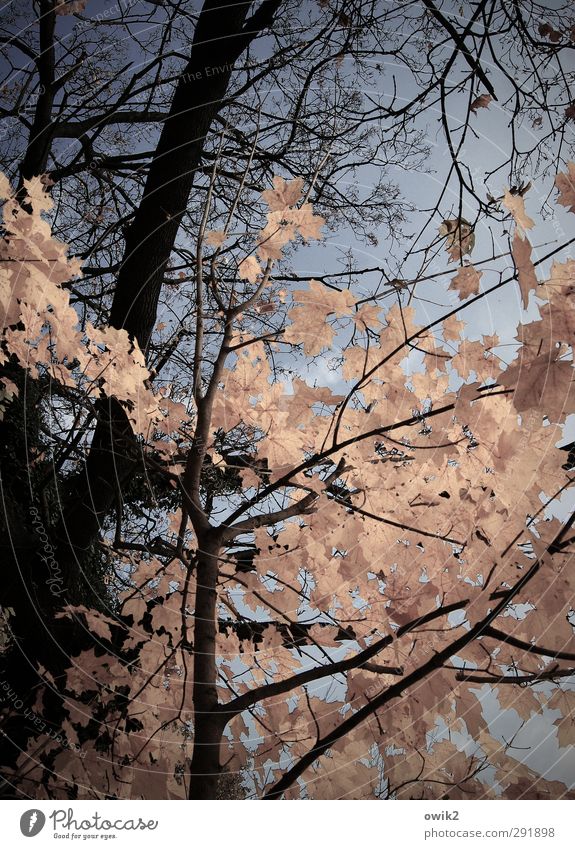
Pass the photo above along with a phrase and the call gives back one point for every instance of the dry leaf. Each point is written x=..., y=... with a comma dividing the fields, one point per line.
x=69, y=7
x=481, y=102
x=516, y=206
x=249, y=269
x=521, y=250
x=460, y=238
x=466, y=282
x=566, y=185
x=216, y=237
x=284, y=194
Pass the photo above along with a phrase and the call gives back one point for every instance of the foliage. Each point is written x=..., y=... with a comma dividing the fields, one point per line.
x=400, y=521
x=279, y=520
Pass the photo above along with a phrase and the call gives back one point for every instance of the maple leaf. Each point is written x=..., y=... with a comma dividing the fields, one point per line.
x=521, y=250
x=249, y=269
x=558, y=315
x=565, y=730
x=216, y=237
x=481, y=102
x=278, y=231
x=547, y=31
x=5, y=187
x=285, y=221
x=491, y=341
x=466, y=281
x=368, y=316
x=452, y=328
x=308, y=224
x=566, y=185
x=309, y=322
x=325, y=299
x=543, y=383
x=69, y=7
x=516, y=206
x=284, y=194
x=564, y=700
x=471, y=357
x=460, y=238
x=310, y=328
x=40, y=201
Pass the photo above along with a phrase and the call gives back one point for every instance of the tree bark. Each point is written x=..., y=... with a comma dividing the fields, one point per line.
x=40, y=139
x=39, y=639
x=208, y=723
x=197, y=100
x=221, y=36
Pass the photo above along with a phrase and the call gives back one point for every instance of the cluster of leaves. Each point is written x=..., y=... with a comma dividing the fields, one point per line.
x=399, y=520
x=42, y=328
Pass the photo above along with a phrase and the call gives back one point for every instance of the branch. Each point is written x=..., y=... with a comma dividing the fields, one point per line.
x=77, y=129
x=305, y=505
x=548, y=675
x=438, y=660
x=528, y=647
x=461, y=46
x=358, y=661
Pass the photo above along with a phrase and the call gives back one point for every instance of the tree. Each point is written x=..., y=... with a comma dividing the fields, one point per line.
x=267, y=502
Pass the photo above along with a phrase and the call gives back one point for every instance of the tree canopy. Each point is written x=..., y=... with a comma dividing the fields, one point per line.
x=287, y=366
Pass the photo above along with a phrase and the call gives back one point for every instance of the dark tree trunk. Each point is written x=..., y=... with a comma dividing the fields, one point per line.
x=218, y=41
x=222, y=34
x=209, y=724
x=40, y=139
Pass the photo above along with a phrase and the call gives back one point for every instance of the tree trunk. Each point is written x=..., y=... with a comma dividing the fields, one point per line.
x=197, y=100
x=38, y=638
x=208, y=723
x=40, y=138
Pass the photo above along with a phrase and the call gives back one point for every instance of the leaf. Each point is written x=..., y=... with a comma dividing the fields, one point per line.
x=544, y=383
x=368, y=316
x=460, y=238
x=565, y=731
x=34, y=298
x=481, y=102
x=516, y=206
x=547, y=31
x=274, y=237
x=527, y=279
x=309, y=322
x=216, y=237
x=310, y=328
x=452, y=328
x=5, y=187
x=564, y=701
x=471, y=357
x=466, y=282
x=249, y=269
x=566, y=185
x=308, y=224
x=69, y=7
x=491, y=341
x=284, y=194
x=324, y=299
